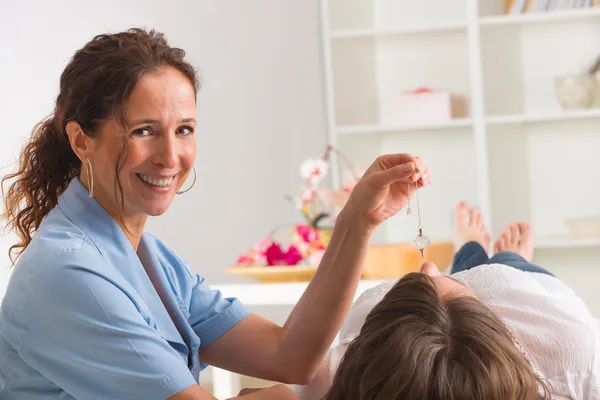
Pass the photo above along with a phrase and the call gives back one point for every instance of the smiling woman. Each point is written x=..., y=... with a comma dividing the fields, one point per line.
x=154, y=155
x=98, y=309
x=132, y=109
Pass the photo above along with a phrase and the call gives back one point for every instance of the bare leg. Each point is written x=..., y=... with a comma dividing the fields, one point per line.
x=514, y=248
x=471, y=238
x=469, y=227
x=517, y=238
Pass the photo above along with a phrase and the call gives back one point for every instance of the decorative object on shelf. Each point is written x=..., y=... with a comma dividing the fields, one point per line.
x=390, y=261
x=423, y=105
x=306, y=246
x=576, y=91
x=587, y=227
x=318, y=204
x=528, y=6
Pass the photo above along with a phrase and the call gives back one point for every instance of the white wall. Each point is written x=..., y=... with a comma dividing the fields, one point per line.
x=261, y=110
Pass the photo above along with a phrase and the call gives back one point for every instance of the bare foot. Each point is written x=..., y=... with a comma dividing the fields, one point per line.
x=517, y=238
x=469, y=227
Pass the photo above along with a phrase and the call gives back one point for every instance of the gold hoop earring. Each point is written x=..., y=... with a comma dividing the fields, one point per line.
x=193, y=182
x=90, y=179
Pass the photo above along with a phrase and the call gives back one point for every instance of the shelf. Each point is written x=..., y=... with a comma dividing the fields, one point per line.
x=541, y=17
x=361, y=33
x=371, y=129
x=538, y=118
x=557, y=242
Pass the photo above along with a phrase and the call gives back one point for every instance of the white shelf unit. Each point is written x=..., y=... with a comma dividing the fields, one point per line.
x=437, y=28
x=516, y=155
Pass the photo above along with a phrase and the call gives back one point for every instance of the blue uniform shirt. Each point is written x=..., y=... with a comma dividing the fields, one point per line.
x=86, y=317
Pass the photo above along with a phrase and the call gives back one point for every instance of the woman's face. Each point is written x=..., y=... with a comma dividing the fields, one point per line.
x=161, y=146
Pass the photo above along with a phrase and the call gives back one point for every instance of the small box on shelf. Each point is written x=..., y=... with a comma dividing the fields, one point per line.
x=422, y=106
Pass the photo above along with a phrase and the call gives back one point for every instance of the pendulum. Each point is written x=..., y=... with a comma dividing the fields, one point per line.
x=408, y=210
x=421, y=242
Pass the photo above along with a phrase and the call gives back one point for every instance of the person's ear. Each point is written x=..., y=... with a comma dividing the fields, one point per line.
x=430, y=269
x=80, y=142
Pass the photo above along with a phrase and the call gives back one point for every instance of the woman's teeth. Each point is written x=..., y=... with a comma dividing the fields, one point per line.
x=156, y=182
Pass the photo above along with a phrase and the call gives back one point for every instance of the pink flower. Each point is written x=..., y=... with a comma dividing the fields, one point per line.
x=307, y=233
x=293, y=256
x=254, y=256
x=251, y=258
x=275, y=255
x=262, y=245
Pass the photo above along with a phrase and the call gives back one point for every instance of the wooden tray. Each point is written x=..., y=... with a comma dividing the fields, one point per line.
x=383, y=262
x=294, y=273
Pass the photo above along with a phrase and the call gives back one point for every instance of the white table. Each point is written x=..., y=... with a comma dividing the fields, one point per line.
x=225, y=384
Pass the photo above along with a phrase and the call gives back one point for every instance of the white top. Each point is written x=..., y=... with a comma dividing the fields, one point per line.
x=550, y=323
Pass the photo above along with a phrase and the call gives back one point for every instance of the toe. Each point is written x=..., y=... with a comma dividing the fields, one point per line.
x=475, y=217
x=461, y=212
x=515, y=235
x=499, y=245
x=525, y=231
x=521, y=228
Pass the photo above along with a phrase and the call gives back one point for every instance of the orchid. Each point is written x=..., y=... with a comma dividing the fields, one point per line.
x=314, y=171
x=316, y=203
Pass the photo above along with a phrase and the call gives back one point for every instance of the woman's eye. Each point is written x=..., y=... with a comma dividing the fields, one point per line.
x=185, y=130
x=142, y=132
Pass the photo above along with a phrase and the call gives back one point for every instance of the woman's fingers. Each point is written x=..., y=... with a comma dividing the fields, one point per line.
x=382, y=179
x=423, y=175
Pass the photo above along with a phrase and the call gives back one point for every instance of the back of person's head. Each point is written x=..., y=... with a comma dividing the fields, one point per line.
x=415, y=345
x=94, y=86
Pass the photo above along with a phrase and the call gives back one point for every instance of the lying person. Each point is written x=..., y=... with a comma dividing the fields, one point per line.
x=496, y=329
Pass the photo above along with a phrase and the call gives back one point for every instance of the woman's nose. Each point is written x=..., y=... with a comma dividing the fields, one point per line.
x=167, y=152
x=430, y=269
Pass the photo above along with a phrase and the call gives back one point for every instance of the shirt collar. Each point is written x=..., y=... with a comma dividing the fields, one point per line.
x=93, y=219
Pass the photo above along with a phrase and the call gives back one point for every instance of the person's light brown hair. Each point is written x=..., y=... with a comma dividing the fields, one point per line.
x=415, y=345
x=94, y=86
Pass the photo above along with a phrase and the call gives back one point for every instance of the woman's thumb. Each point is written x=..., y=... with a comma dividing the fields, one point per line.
x=387, y=177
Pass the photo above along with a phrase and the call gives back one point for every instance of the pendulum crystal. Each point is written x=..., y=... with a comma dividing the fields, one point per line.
x=421, y=242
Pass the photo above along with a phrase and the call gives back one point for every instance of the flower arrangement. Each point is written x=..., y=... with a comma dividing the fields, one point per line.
x=306, y=247
x=316, y=204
